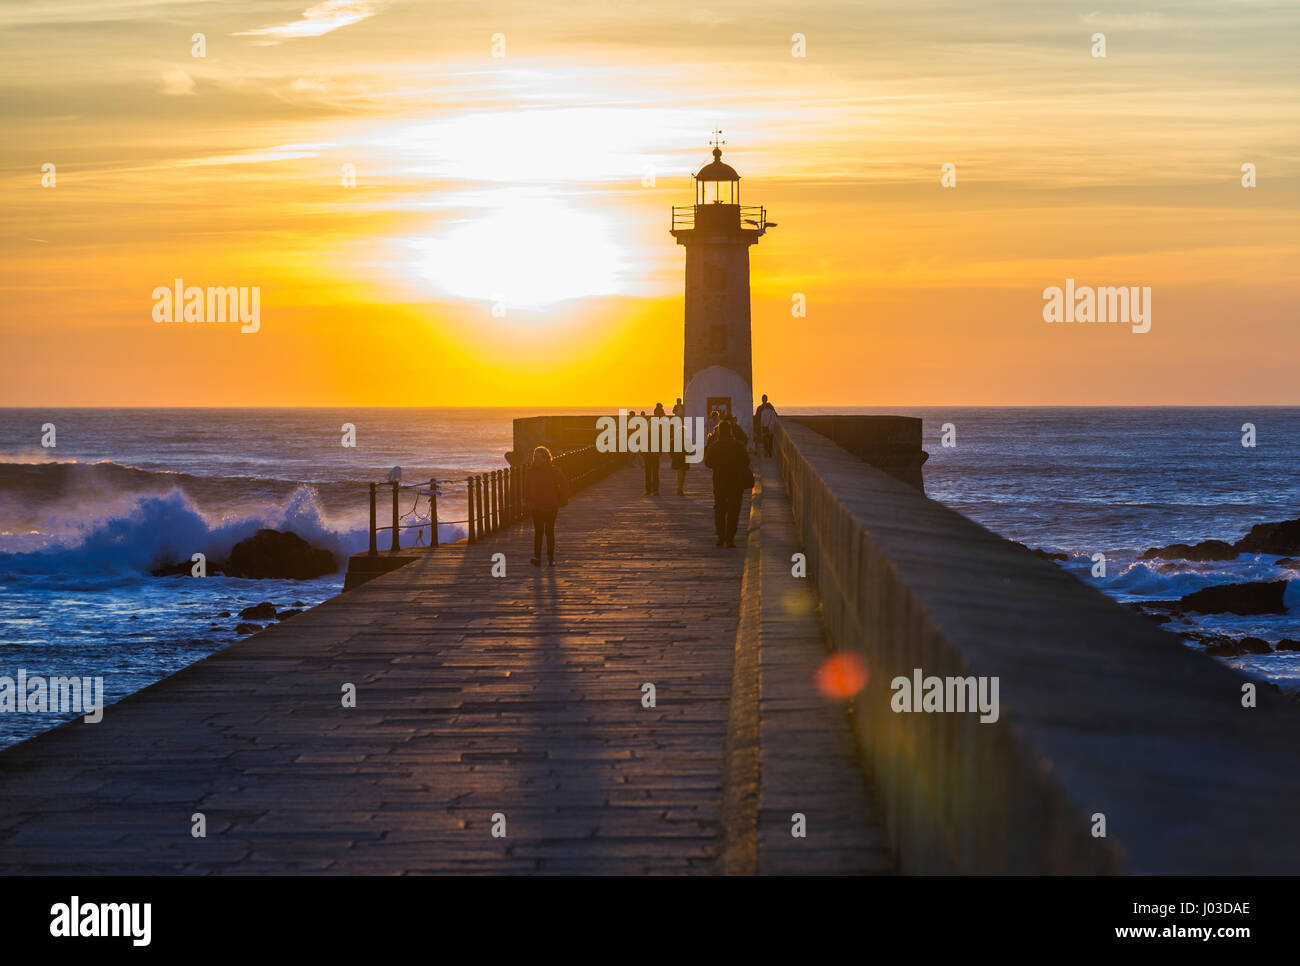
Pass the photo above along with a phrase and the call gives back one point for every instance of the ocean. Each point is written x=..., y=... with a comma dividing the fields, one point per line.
x=83, y=522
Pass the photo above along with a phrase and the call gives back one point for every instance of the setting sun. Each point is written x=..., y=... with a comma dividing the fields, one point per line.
x=519, y=251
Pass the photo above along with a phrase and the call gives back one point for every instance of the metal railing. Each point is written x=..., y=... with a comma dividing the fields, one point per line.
x=747, y=217
x=495, y=500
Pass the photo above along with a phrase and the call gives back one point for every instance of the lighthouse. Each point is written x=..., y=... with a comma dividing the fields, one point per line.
x=717, y=232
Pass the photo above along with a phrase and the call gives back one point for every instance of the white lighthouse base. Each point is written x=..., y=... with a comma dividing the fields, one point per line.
x=718, y=385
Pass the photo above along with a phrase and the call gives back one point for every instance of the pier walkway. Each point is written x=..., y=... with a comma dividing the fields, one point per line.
x=483, y=703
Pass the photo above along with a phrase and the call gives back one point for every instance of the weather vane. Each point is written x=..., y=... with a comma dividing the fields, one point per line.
x=717, y=141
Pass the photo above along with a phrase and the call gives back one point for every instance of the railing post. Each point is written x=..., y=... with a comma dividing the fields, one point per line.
x=469, y=502
x=498, y=498
x=508, y=480
x=396, y=545
x=478, y=492
x=373, y=549
x=433, y=513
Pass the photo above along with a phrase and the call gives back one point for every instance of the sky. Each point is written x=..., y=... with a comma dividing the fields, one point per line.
x=502, y=238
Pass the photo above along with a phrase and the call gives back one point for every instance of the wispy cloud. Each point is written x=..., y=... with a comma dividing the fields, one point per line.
x=280, y=152
x=318, y=20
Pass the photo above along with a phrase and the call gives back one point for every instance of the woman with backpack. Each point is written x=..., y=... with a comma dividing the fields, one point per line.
x=545, y=491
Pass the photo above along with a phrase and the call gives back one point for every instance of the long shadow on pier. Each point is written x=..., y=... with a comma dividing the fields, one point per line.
x=476, y=696
x=588, y=778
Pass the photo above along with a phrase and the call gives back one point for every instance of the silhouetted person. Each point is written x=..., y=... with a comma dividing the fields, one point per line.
x=765, y=424
x=711, y=427
x=727, y=457
x=678, y=462
x=650, y=458
x=631, y=453
x=545, y=491
x=736, y=431
x=678, y=459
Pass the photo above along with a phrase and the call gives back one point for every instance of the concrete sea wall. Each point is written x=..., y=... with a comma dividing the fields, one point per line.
x=1103, y=716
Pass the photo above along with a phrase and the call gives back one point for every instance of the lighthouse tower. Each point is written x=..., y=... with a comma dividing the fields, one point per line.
x=717, y=232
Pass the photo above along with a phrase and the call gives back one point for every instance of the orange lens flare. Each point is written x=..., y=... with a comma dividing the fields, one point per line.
x=842, y=676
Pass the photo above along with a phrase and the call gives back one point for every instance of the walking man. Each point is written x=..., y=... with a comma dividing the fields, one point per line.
x=727, y=457
x=765, y=419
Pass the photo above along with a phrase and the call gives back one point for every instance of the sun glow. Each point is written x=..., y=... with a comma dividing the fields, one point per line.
x=579, y=146
x=524, y=252
x=522, y=227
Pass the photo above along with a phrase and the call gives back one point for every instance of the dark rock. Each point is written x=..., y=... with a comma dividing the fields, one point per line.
x=1282, y=537
x=258, y=612
x=297, y=603
x=1141, y=609
x=1291, y=563
x=1286, y=644
x=1038, y=552
x=1203, y=551
x=224, y=613
x=285, y=555
x=287, y=613
x=248, y=628
x=1252, y=597
x=1222, y=646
